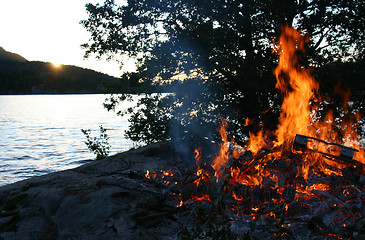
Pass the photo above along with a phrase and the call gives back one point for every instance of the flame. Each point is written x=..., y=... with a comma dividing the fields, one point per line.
x=320, y=186
x=248, y=122
x=168, y=173
x=255, y=209
x=300, y=108
x=222, y=158
x=147, y=175
x=198, y=156
x=256, y=176
x=256, y=142
x=297, y=86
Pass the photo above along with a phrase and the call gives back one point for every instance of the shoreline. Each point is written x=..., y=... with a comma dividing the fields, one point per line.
x=96, y=200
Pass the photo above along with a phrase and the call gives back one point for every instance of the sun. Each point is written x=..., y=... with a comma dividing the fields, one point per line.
x=56, y=64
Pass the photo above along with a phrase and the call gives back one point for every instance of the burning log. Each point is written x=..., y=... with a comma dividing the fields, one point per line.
x=328, y=195
x=291, y=181
x=289, y=194
x=268, y=190
x=346, y=153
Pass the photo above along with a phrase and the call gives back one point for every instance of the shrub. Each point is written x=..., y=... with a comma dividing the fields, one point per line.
x=98, y=145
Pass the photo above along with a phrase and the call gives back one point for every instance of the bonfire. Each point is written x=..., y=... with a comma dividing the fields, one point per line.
x=308, y=174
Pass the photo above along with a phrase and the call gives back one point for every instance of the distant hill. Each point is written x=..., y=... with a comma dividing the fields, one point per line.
x=9, y=56
x=20, y=76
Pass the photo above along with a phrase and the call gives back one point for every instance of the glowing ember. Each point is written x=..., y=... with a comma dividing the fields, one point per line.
x=274, y=172
x=320, y=186
x=257, y=172
x=147, y=175
x=201, y=197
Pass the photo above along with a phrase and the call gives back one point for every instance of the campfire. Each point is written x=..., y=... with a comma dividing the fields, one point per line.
x=302, y=180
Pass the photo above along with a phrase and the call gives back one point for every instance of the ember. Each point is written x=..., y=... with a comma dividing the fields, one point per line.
x=308, y=177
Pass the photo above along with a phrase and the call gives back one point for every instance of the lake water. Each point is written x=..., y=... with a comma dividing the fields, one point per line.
x=40, y=134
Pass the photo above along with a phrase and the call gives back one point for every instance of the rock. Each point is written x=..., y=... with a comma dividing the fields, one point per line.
x=94, y=201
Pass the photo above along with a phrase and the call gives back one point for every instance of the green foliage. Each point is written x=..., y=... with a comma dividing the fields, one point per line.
x=150, y=123
x=149, y=118
x=98, y=145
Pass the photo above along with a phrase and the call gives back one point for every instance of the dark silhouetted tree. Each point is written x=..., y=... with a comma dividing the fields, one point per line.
x=223, y=49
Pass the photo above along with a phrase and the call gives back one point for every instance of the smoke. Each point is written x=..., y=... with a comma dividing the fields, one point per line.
x=195, y=117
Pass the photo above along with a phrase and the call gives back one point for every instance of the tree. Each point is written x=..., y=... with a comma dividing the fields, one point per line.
x=223, y=48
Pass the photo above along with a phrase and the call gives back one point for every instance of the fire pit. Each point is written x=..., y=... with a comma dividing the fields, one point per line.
x=301, y=181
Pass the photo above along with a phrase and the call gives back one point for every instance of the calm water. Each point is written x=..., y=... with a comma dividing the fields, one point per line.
x=41, y=133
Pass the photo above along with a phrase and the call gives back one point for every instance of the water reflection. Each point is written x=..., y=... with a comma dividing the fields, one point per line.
x=41, y=133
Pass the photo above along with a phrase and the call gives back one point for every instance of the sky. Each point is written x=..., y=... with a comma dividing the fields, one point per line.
x=50, y=31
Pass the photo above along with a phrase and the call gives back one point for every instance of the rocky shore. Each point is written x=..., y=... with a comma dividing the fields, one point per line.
x=152, y=193
x=106, y=199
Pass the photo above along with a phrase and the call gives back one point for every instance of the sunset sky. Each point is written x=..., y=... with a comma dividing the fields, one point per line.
x=49, y=31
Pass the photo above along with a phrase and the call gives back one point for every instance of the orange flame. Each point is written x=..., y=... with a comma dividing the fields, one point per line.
x=222, y=158
x=300, y=106
x=298, y=87
x=256, y=142
x=198, y=156
x=298, y=116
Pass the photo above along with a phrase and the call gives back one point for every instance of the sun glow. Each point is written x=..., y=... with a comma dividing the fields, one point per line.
x=56, y=64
